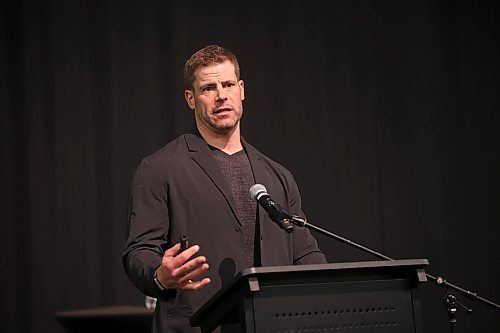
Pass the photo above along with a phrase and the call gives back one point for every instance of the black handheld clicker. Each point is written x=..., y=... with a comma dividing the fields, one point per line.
x=184, y=243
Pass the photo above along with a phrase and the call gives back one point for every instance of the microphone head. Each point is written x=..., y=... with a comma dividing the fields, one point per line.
x=257, y=190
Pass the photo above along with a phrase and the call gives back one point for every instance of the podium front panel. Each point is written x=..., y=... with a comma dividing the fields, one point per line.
x=365, y=306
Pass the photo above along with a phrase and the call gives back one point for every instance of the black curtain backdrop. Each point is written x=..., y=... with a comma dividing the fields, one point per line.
x=386, y=112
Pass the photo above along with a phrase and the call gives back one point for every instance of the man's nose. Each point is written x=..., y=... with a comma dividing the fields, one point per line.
x=221, y=94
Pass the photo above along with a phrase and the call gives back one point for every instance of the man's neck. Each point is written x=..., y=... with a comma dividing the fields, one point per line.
x=229, y=143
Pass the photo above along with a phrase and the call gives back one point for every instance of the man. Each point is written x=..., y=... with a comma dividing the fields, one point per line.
x=198, y=186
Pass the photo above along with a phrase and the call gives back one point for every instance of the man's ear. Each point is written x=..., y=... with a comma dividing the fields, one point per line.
x=189, y=97
x=242, y=89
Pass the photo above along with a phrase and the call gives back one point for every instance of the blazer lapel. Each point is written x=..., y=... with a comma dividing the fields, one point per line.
x=202, y=156
x=259, y=172
x=261, y=176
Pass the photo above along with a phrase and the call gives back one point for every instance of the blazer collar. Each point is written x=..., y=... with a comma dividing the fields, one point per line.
x=202, y=156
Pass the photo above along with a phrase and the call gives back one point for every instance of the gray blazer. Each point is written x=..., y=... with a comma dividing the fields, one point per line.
x=179, y=190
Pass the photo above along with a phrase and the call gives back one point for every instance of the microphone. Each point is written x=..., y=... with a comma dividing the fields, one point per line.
x=259, y=193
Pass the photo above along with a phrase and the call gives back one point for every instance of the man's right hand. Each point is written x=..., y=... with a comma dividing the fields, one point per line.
x=176, y=271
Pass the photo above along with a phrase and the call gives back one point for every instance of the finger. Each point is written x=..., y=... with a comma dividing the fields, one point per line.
x=193, y=264
x=190, y=266
x=175, y=258
x=184, y=256
x=171, y=252
x=195, y=284
x=190, y=275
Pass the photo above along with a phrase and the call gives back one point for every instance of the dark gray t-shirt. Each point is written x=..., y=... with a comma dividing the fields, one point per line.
x=238, y=173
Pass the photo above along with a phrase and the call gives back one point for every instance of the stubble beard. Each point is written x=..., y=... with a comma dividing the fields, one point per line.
x=221, y=127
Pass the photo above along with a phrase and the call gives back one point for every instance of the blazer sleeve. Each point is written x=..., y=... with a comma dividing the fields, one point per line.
x=148, y=219
x=305, y=246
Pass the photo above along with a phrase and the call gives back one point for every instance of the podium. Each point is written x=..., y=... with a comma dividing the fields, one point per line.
x=373, y=296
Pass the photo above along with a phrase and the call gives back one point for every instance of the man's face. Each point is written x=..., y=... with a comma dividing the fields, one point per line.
x=217, y=98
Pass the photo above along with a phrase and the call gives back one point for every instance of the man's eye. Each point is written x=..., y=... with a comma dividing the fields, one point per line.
x=228, y=85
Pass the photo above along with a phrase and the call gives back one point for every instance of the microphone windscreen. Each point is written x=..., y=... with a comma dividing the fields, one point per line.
x=256, y=190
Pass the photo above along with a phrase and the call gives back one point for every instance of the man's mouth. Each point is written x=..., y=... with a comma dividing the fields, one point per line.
x=222, y=110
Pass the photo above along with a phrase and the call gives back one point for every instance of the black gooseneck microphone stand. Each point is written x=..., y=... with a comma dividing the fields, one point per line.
x=450, y=300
